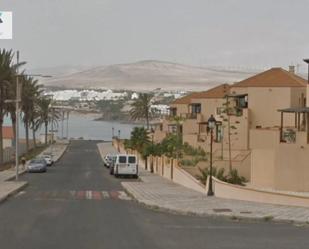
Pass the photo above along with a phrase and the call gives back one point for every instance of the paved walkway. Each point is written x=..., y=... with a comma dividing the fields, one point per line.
x=158, y=192
x=8, y=188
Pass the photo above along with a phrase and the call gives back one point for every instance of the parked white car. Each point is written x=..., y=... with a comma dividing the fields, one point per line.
x=48, y=159
x=108, y=159
x=126, y=165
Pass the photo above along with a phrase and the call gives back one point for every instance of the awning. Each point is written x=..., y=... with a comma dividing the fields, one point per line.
x=237, y=95
x=295, y=110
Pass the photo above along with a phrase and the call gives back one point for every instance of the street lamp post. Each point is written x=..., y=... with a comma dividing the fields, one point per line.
x=68, y=115
x=307, y=61
x=113, y=133
x=152, y=151
x=16, y=101
x=17, y=120
x=118, y=140
x=211, y=127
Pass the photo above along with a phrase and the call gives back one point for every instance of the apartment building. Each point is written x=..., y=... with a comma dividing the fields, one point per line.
x=270, y=119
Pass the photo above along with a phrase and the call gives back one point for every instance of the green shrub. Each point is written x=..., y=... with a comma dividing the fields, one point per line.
x=232, y=178
x=187, y=162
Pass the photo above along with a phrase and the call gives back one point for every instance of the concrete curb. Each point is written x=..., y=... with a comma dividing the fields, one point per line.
x=25, y=184
x=230, y=216
x=63, y=152
x=13, y=192
x=13, y=177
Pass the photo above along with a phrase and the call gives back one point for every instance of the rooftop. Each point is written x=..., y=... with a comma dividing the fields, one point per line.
x=274, y=77
x=214, y=93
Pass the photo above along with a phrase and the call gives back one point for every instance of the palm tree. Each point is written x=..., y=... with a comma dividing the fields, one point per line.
x=141, y=108
x=30, y=94
x=6, y=58
x=46, y=114
x=139, y=138
x=139, y=141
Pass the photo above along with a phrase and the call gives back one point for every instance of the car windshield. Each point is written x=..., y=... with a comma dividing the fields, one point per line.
x=36, y=161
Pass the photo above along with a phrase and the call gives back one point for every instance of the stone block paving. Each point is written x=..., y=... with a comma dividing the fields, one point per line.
x=161, y=193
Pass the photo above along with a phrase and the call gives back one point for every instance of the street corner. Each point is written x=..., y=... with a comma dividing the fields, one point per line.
x=10, y=188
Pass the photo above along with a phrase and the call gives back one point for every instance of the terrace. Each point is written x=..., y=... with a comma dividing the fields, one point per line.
x=301, y=127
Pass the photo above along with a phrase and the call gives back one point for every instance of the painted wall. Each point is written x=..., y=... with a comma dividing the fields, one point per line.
x=307, y=95
x=225, y=190
x=7, y=143
x=209, y=106
x=264, y=103
x=276, y=165
x=190, y=126
x=181, y=108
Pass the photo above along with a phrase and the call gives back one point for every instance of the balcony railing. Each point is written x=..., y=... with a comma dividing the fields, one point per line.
x=191, y=115
x=289, y=136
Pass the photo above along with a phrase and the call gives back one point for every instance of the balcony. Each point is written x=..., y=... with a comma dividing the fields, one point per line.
x=301, y=125
x=191, y=115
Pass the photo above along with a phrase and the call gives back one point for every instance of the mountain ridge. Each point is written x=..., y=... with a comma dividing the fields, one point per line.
x=147, y=75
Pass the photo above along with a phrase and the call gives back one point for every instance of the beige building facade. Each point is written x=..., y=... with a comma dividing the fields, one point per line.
x=269, y=113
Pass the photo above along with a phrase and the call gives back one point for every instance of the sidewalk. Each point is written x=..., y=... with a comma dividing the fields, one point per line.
x=8, y=187
x=157, y=192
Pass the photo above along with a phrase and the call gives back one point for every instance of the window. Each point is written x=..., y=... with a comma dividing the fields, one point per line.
x=173, y=111
x=172, y=128
x=242, y=102
x=219, y=133
x=132, y=159
x=122, y=159
x=220, y=110
x=196, y=108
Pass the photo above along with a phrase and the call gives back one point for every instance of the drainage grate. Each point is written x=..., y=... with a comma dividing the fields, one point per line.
x=246, y=212
x=222, y=210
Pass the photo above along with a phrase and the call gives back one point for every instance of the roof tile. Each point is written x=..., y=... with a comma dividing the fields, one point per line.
x=214, y=93
x=274, y=77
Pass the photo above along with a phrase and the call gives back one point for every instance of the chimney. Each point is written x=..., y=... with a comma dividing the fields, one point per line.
x=292, y=69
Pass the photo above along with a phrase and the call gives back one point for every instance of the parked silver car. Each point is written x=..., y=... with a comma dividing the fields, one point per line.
x=37, y=165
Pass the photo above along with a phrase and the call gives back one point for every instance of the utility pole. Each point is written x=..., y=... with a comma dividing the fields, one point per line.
x=18, y=96
x=17, y=112
x=68, y=113
x=62, y=123
x=52, y=125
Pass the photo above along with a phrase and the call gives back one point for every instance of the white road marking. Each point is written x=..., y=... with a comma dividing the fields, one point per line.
x=88, y=195
x=105, y=194
x=123, y=196
x=21, y=193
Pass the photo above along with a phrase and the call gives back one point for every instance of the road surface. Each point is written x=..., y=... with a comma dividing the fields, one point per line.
x=78, y=205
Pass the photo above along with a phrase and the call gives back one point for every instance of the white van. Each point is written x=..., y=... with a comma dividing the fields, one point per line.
x=126, y=165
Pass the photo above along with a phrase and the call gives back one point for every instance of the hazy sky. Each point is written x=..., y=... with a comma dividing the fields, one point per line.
x=253, y=33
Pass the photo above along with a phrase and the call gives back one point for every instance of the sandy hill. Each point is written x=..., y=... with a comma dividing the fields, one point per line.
x=148, y=75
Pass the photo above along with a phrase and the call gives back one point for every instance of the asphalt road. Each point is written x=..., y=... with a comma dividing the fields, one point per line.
x=77, y=204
